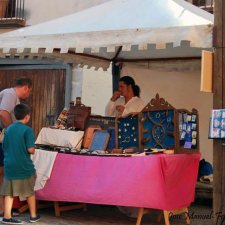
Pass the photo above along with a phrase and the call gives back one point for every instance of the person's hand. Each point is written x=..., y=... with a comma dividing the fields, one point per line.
x=120, y=109
x=115, y=96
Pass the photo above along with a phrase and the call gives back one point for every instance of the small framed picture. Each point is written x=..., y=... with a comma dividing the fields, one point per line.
x=216, y=132
x=187, y=144
x=188, y=128
x=180, y=127
x=180, y=135
x=222, y=134
x=189, y=118
x=194, y=142
x=193, y=118
x=194, y=134
x=223, y=114
x=223, y=124
x=216, y=123
x=184, y=126
x=183, y=135
x=217, y=113
x=185, y=117
x=180, y=118
x=193, y=126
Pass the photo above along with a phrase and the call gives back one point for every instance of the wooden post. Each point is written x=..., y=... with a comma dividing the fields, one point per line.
x=115, y=76
x=218, y=103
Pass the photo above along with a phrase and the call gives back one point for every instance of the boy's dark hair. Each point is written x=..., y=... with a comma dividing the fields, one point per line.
x=21, y=110
x=23, y=82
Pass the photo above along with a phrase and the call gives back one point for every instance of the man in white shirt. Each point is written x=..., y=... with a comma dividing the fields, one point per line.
x=126, y=100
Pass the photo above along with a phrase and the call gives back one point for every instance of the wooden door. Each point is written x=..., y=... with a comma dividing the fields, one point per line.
x=47, y=99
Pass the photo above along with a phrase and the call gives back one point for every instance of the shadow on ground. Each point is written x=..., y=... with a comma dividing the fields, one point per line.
x=200, y=213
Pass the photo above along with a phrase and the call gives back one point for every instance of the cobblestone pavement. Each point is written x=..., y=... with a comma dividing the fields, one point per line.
x=104, y=215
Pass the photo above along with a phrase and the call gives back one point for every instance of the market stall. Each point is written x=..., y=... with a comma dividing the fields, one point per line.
x=90, y=38
x=149, y=177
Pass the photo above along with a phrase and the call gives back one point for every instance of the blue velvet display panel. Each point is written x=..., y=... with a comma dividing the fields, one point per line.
x=128, y=132
x=158, y=129
x=99, y=141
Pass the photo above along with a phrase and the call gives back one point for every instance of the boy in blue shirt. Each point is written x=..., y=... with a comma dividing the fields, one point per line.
x=19, y=171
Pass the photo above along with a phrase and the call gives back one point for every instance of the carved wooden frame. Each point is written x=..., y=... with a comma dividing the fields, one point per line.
x=159, y=104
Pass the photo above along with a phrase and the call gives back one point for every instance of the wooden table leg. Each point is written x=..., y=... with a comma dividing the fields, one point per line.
x=140, y=214
x=169, y=213
x=59, y=209
x=159, y=217
x=23, y=208
x=187, y=216
x=166, y=217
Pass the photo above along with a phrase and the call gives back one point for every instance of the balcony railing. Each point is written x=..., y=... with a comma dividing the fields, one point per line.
x=12, y=13
x=207, y=5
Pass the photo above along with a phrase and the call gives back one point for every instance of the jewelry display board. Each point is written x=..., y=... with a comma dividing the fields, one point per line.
x=158, y=126
x=217, y=124
x=188, y=141
x=127, y=132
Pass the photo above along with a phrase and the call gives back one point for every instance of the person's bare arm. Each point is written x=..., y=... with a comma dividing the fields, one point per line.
x=31, y=150
x=5, y=118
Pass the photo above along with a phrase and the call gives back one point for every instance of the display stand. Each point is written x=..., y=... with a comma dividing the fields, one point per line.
x=162, y=126
x=165, y=127
x=188, y=130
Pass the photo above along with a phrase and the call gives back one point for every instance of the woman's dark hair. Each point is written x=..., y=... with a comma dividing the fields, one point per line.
x=21, y=110
x=130, y=81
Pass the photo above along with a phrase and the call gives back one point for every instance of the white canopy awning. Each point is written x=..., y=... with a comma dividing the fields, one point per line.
x=124, y=30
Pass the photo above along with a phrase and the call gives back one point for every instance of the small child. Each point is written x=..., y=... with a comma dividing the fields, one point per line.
x=19, y=171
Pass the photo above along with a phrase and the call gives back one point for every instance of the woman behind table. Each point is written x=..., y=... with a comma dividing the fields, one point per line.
x=126, y=100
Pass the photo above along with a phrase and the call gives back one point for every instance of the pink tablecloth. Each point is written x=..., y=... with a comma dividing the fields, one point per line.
x=157, y=181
